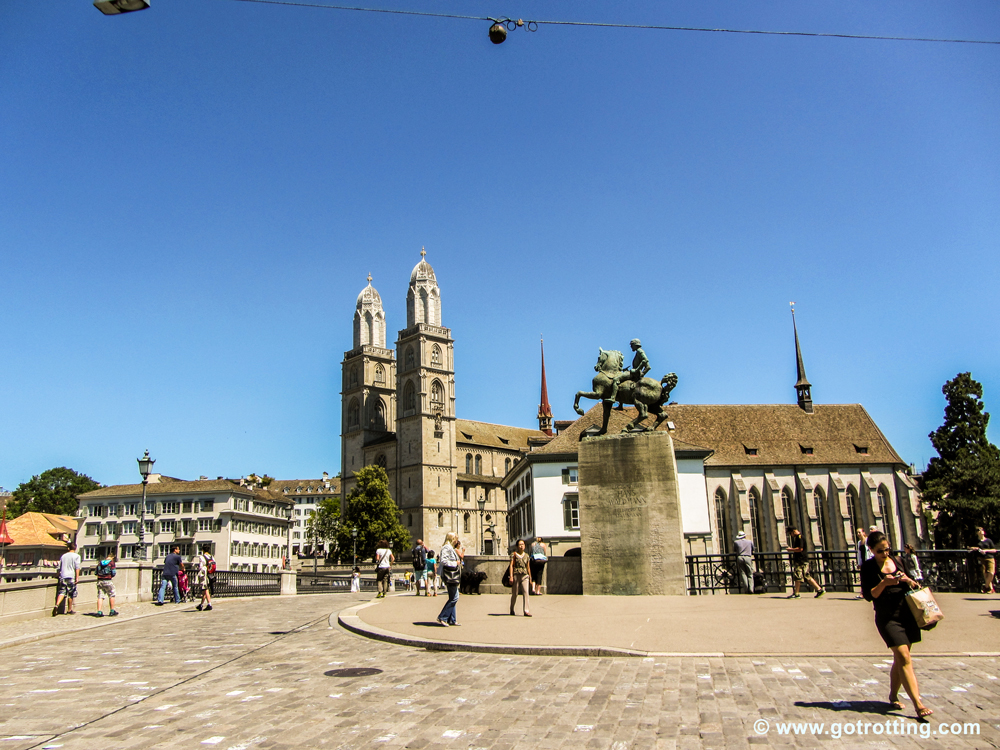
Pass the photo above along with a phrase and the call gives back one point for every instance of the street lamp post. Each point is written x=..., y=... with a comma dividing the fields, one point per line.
x=145, y=468
x=482, y=509
x=354, y=537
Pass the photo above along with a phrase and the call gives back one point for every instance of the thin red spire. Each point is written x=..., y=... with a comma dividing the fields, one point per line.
x=4, y=536
x=544, y=410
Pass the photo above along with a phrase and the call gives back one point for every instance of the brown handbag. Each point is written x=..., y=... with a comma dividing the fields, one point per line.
x=924, y=607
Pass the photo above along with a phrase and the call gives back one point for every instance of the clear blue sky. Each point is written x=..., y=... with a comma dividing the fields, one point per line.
x=192, y=196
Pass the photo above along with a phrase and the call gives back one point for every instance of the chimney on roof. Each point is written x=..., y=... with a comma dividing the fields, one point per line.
x=203, y=477
x=802, y=386
x=544, y=410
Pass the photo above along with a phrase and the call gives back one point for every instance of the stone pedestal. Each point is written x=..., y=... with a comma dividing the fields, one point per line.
x=630, y=516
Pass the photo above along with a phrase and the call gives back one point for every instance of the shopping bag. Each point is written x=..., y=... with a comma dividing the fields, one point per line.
x=925, y=609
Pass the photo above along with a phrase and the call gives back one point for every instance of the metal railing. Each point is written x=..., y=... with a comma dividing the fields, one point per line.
x=329, y=583
x=230, y=583
x=834, y=570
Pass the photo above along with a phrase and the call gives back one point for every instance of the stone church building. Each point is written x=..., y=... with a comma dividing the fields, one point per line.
x=398, y=412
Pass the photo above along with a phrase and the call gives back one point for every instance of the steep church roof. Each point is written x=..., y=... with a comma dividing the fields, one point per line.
x=758, y=434
x=494, y=435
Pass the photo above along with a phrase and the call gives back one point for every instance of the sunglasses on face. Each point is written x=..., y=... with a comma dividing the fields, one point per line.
x=882, y=550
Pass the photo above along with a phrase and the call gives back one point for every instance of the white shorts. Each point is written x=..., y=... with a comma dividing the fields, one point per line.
x=105, y=588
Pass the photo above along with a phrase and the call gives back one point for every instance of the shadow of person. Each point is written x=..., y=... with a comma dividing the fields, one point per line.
x=995, y=612
x=434, y=624
x=864, y=707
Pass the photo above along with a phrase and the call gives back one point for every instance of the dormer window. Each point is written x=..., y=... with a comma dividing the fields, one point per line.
x=749, y=451
x=806, y=450
x=861, y=450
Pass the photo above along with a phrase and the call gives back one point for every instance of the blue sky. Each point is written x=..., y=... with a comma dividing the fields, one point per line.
x=192, y=196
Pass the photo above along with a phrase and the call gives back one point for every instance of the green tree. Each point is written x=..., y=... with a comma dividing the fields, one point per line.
x=371, y=510
x=962, y=484
x=323, y=524
x=52, y=491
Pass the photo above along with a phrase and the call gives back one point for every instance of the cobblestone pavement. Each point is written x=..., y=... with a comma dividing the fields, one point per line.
x=269, y=673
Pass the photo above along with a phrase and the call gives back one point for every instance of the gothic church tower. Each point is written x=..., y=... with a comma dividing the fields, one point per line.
x=369, y=388
x=425, y=415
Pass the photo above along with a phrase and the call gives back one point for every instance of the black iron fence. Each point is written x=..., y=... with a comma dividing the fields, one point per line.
x=228, y=583
x=834, y=570
x=329, y=583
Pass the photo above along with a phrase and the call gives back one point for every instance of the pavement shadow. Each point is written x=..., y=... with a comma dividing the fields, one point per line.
x=434, y=624
x=995, y=612
x=866, y=707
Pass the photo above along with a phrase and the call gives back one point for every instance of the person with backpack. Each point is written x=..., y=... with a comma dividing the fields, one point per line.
x=172, y=565
x=206, y=578
x=106, y=584
x=383, y=567
x=419, y=553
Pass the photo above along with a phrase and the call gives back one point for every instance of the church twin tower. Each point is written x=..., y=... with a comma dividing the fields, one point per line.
x=399, y=406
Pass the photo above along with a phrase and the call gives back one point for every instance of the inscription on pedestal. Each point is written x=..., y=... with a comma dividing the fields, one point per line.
x=630, y=517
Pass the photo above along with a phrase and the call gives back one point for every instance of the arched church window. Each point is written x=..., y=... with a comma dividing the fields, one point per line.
x=409, y=519
x=409, y=396
x=436, y=355
x=409, y=358
x=506, y=466
x=437, y=394
x=756, y=520
x=379, y=374
x=883, y=510
x=380, y=460
x=822, y=525
x=787, y=510
x=440, y=519
x=722, y=521
x=465, y=524
x=468, y=463
x=353, y=414
x=353, y=378
x=378, y=415
x=854, y=510
x=479, y=464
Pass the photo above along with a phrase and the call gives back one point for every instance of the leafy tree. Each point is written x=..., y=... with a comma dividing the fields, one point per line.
x=323, y=524
x=371, y=510
x=962, y=484
x=52, y=491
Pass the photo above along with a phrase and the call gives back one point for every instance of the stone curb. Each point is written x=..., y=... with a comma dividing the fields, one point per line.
x=349, y=619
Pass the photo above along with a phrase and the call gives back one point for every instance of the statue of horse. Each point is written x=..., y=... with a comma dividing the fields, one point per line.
x=646, y=394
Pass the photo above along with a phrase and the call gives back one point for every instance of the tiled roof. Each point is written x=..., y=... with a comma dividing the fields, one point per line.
x=494, y=435
x=40, y=529
x=307, y=486
x=781, y=434
x=172, y=487
x=478, y=479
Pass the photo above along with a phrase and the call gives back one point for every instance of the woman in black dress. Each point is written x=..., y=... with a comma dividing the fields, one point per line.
x=884, y=583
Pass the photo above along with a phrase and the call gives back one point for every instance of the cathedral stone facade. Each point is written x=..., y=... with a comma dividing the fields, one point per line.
x=398, y=411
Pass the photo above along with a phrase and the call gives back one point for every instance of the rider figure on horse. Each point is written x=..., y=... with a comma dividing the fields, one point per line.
x=640, y=366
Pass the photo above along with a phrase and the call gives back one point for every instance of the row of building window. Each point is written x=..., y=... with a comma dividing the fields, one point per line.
x=153, y=507
x=793, y=518
x=253, y=549
x=254, y=527
x=409, y=361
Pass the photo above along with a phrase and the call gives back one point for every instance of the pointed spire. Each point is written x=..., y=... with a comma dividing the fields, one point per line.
x=544, y=410
x=802, y=385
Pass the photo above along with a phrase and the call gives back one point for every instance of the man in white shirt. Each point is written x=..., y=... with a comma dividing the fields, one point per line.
x=69, y=576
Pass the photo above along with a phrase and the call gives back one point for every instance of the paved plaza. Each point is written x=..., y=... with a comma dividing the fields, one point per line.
x=281, y=673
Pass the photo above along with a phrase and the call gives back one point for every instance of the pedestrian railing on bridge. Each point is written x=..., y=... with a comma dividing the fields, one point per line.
x=834, y=570
x=229, y=583
x=329, y=583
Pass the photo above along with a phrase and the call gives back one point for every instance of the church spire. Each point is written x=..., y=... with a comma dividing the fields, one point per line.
x=544, y=410
x=802, y=385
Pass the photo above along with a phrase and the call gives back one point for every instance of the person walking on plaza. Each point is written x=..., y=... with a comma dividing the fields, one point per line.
x=743, y=548
x=449, y=569
x=69, y=576
x=383, y=567
x=430, y=574
x=419, y=558
x=519, y=578
x=172, y=565
x=986, y=557
x=863, y=553
x=911, y=564
x=539, y=556
x=884, y=583
x=800, y=565
x=206, y=578
x=106, y=585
